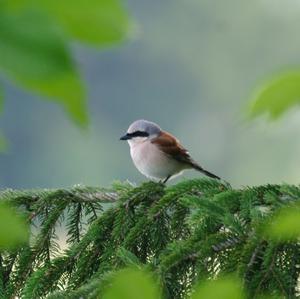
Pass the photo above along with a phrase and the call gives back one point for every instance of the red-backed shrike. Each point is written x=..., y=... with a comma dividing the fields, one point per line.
x=157, y=154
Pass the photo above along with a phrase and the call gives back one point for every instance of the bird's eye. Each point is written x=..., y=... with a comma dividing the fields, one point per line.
x=138, y=134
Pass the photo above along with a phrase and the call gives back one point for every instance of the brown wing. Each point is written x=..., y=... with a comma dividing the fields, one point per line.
x=171, y=146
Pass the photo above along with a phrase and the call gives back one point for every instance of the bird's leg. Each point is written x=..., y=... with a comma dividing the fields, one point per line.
x=166, y=179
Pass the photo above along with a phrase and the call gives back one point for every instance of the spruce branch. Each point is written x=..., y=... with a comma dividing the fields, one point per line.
x=195, y=230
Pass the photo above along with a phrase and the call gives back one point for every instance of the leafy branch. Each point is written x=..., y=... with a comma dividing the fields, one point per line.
x=182, y=234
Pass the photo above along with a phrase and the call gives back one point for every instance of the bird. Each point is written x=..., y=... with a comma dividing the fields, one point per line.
x=157, y=154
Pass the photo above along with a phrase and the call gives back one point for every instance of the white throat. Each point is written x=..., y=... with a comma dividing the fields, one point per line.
x=136, y=141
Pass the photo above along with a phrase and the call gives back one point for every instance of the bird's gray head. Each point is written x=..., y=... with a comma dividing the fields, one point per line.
x=141, y=130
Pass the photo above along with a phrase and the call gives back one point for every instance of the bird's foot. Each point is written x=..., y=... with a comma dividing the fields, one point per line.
x=166, y=179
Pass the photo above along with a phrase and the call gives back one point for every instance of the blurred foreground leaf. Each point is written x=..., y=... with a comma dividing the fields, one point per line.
x=285, y=226
x=277, y=96
x=225, y=288
x=132, y=284
x=13, y=228
x=34, y=53
x=97, y=22
x=35, y=39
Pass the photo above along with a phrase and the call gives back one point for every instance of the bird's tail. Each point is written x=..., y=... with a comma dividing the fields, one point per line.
x=209, y=174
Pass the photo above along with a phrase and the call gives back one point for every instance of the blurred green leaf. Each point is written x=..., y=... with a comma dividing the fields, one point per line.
x=225, y=288
x=97, y=22
x=277, y=96
x=13, y=227
x=34, y=53
x=132, y=284
x=34, y=39
x=285, y=225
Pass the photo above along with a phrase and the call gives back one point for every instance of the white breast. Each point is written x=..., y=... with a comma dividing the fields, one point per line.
x=152, y=162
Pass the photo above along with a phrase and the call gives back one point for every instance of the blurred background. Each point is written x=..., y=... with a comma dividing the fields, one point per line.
x=192, y=67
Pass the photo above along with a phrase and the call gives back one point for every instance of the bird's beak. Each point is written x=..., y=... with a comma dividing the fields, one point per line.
x=125, y=137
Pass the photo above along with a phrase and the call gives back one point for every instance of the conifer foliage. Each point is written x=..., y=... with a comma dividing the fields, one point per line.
x=182, y=234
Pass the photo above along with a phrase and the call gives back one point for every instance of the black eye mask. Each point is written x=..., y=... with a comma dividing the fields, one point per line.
x=134, y=134
x=138, y=134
